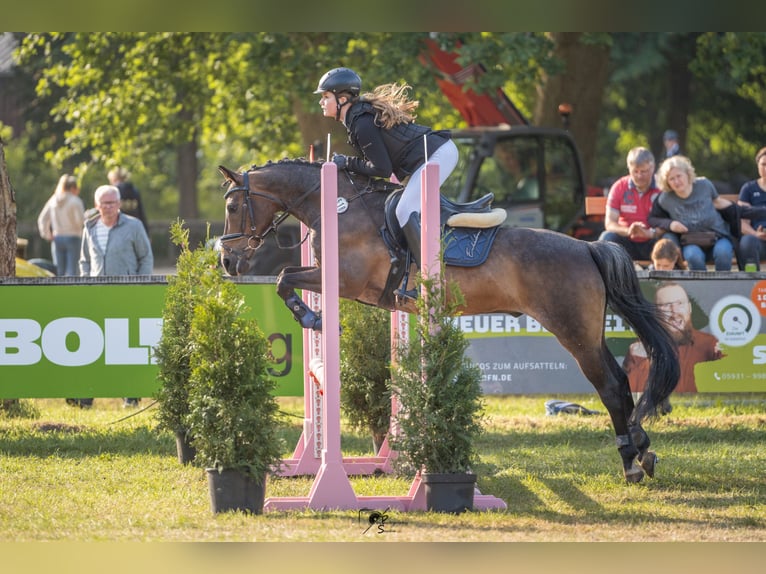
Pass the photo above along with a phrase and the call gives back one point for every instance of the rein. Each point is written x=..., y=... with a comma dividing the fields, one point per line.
x=255, y=240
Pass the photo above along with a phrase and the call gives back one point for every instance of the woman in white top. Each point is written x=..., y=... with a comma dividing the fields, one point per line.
x=61, y=221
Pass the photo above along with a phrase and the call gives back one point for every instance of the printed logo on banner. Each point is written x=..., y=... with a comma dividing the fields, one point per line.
x=735, y=320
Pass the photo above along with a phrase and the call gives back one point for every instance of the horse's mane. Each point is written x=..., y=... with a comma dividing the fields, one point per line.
x=365, y=181
x=288, y=161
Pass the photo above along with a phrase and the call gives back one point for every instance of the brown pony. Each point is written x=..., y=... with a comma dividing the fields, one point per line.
x=564, y=283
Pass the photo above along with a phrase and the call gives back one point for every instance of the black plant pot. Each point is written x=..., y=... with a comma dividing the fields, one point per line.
x=186, y=452
x=231, y=489
x=449, y=492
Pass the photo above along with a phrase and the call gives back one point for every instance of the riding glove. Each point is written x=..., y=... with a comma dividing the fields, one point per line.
x=340, y=160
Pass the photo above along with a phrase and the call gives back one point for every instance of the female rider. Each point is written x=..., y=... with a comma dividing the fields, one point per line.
x=381, y=128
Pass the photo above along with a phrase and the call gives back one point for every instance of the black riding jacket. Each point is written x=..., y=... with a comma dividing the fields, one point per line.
x=398, y=150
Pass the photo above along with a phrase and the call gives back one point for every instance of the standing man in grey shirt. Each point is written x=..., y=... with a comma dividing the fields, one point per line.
x=113, y=243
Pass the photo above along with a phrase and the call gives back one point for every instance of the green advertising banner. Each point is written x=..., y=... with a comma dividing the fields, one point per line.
x=83, y=338
x=718, y=323
x=79, y=339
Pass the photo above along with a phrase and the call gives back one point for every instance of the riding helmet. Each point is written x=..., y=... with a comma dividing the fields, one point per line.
x=340, y=80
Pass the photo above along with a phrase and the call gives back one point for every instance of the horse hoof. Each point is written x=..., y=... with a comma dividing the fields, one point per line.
x=634, y=474
x=647, y=462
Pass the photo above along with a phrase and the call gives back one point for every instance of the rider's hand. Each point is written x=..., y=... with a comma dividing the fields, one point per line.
x=340, y=160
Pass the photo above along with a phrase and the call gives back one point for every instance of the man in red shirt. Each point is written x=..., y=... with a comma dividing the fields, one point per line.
x=628, y=205
x=694, y=346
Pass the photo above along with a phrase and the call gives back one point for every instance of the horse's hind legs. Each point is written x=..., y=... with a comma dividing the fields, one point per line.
x=637, y=459
x=647, y=459
x=629, y=453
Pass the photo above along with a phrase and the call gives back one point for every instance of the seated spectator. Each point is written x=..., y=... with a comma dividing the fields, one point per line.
x=628, y=205
x=666, y=256
x=690, y=204
x=752, y=244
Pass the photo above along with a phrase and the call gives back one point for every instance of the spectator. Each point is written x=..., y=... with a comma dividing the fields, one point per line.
x=752, y=245
x=694, y=346
x=628, y=205
x=114, y=244
x=690, y=204
x=670, y=141
x=666, y=256
x=61, y=222
x=130, y=199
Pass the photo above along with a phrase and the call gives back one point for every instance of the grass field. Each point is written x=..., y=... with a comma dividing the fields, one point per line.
x=75, y=475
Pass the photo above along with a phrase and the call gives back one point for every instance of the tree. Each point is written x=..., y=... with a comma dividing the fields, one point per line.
x=581, y=84
x=7, y=220
x=7, y=237
x=126, y=97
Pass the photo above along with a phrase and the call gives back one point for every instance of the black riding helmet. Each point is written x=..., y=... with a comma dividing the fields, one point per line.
x=340, y=81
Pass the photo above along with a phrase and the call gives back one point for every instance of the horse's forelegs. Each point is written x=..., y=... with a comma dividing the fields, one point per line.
x=305, y=316
x=305, y=278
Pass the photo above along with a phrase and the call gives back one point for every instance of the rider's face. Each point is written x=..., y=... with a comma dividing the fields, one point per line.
x=329, y=104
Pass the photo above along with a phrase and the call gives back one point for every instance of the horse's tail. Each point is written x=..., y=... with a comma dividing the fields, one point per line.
x=624, y=296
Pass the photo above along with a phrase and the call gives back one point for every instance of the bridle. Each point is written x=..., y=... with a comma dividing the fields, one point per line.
x=254, y=239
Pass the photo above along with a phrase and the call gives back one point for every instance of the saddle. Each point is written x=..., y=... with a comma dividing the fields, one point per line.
x=467, y=232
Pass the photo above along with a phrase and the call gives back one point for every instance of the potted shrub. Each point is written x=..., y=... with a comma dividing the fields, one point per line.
x=194, y=268
x=439, y=393
x=365, y=368
x=234, y=417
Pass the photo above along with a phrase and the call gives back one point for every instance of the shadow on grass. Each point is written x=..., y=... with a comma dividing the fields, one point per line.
x=82, y=442
x=43, y=439
x=561, y=475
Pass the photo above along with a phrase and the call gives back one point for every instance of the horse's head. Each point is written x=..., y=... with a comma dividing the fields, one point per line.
x=248, y=219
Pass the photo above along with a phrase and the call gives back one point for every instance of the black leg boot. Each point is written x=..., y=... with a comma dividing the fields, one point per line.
x=411, y=231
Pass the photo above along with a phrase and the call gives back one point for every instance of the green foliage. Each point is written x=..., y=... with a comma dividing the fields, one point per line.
x=196, y=274
x=233, y=413
x=95, y=99
x=365, y=361
x=438, y=387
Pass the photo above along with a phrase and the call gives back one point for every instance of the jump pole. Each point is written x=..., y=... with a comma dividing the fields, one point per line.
x=331, y=488
x=430, y=247
x=306, y=457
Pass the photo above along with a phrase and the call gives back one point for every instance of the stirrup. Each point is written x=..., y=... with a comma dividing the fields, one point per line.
x=411, y=294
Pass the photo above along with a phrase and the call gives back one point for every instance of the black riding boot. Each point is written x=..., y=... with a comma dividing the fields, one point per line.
x=411, y=231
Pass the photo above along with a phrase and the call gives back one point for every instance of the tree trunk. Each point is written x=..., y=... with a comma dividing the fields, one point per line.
x=7, y=221
x=7, y=237
x=680, y=80
x=581, y=85
x=188, y=173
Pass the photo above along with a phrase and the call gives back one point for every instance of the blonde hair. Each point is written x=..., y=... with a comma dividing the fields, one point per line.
x=66, y=183
x=675, y=162
x=666, y=249
x=392, y=103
